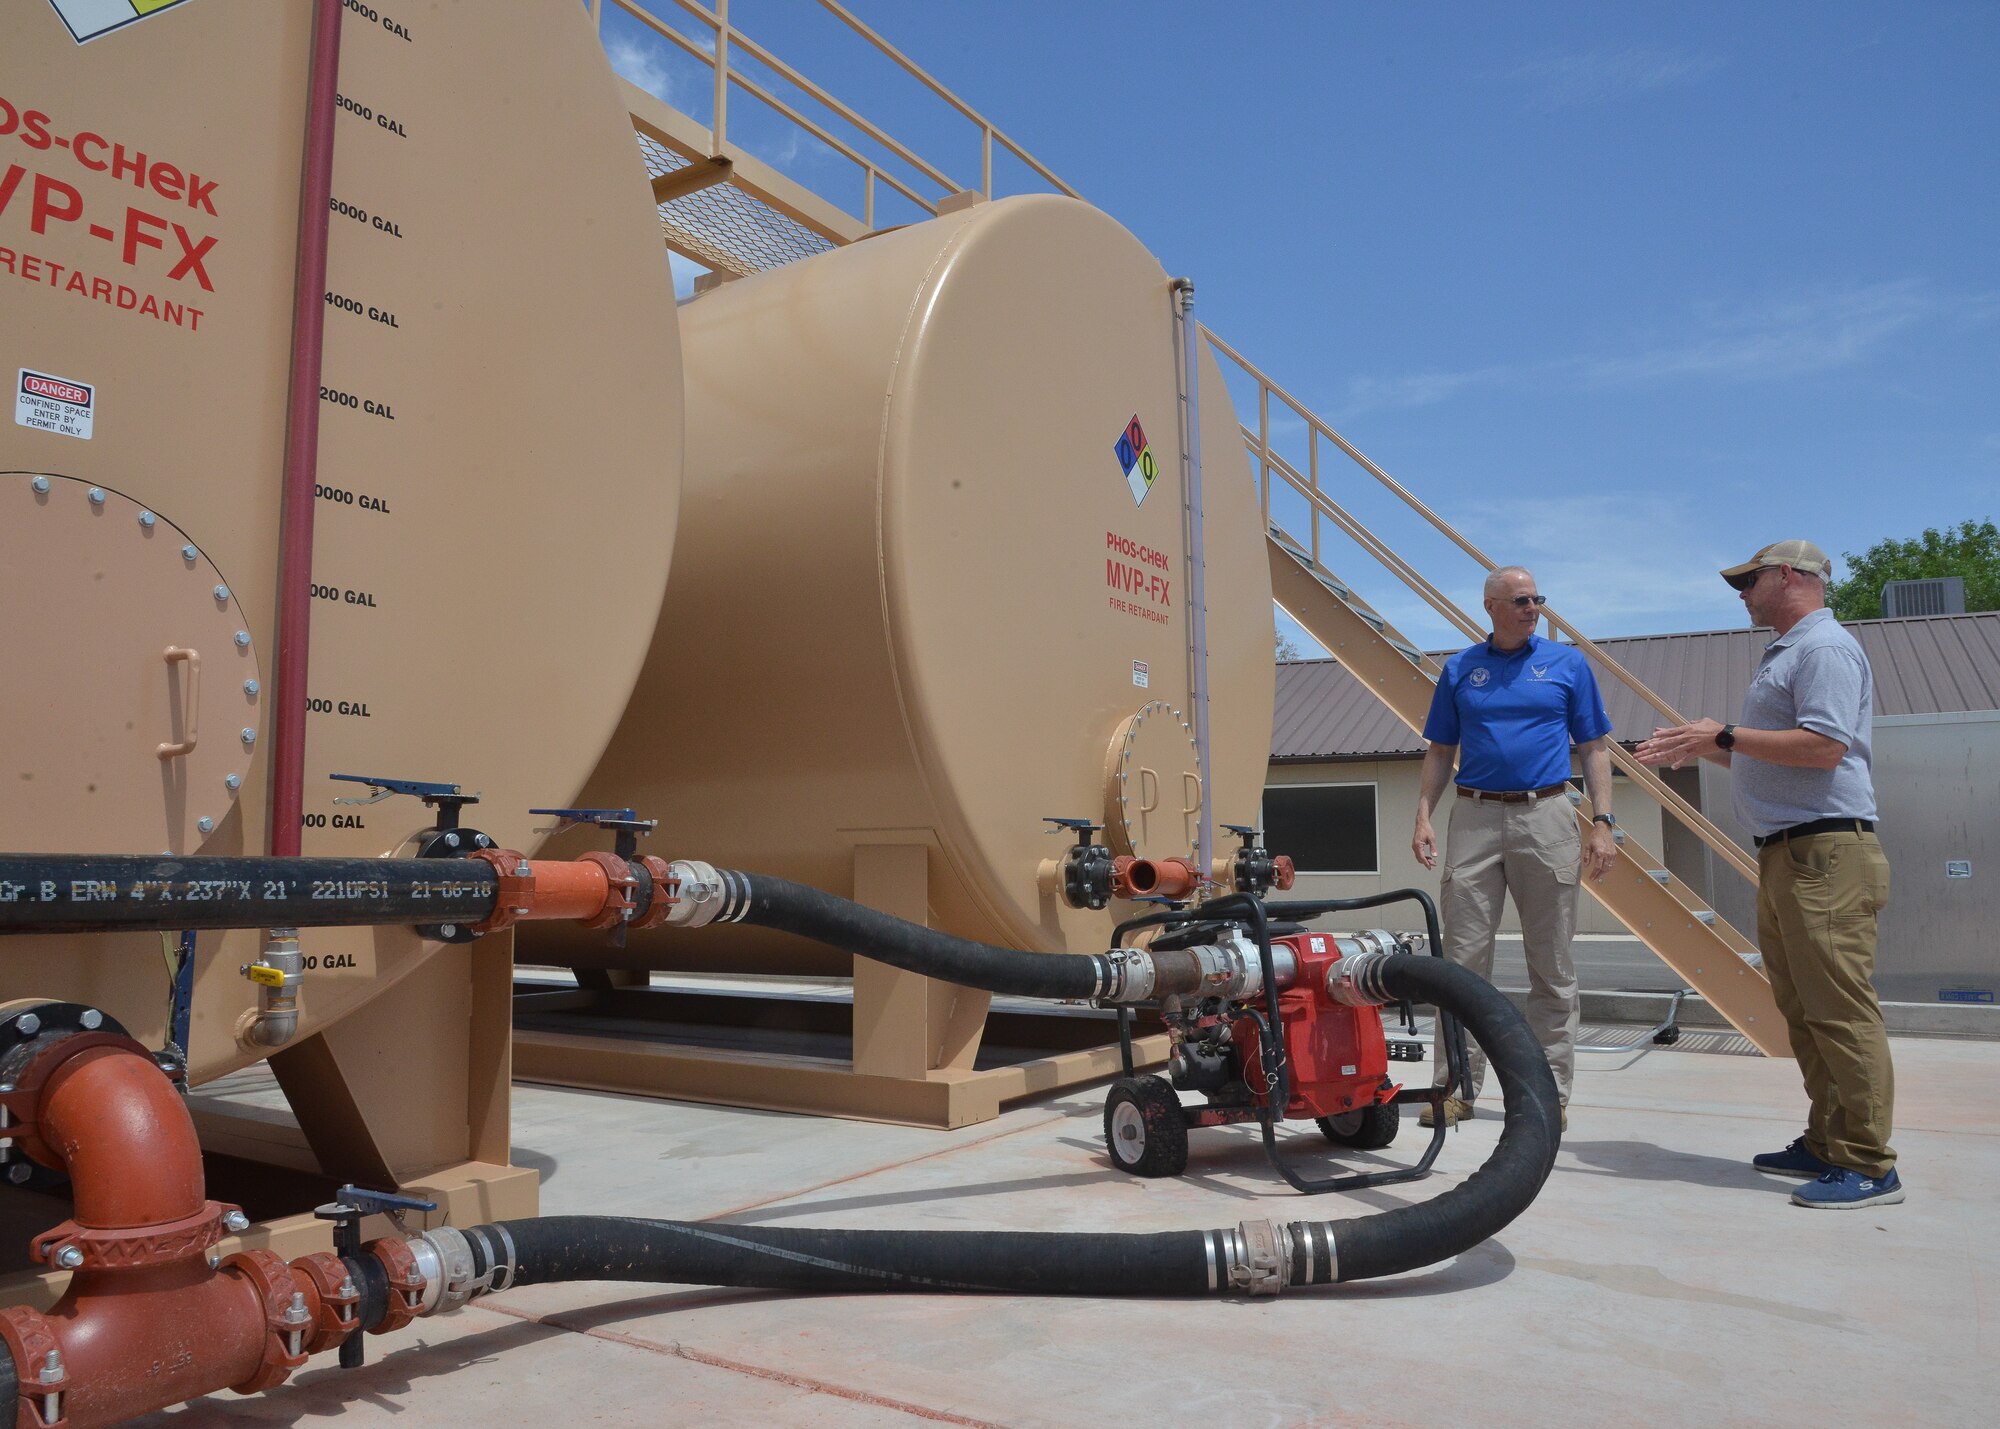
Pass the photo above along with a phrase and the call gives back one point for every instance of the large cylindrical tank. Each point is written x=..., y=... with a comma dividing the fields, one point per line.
x=499, y=447
x=932, y=583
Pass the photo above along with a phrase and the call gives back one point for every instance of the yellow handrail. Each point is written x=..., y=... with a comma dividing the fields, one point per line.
x=729, y=39
x=1270, y=463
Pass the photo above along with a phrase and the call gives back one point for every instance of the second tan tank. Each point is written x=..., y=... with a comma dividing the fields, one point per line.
x=932, y=583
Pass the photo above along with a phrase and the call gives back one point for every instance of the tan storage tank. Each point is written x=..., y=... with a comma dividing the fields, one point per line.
x=926, y=592
x=498, y=475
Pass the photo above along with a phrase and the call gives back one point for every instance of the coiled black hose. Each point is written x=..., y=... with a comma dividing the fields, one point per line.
x=562, y=1248
x=1512, y=1176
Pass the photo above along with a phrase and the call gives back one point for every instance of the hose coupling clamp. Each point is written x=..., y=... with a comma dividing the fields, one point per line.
x=698, y=894
x=1256, y=1267
x=515, y=894
x=1356, y=979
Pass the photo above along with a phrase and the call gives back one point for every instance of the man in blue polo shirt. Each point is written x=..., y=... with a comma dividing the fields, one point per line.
x=1508, y=709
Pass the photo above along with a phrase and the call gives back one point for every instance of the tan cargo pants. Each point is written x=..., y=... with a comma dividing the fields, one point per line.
x=1534, y=852
x=1817, y=899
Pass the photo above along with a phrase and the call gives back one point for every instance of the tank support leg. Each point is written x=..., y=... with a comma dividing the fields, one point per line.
x=906, y=1025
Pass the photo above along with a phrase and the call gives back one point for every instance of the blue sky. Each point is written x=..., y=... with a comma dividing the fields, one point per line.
x=1623, y=291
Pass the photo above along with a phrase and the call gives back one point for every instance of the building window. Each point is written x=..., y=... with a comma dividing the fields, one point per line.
x=1326, y=828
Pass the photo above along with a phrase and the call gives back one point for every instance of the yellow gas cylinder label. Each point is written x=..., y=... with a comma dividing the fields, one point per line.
x=265, y=977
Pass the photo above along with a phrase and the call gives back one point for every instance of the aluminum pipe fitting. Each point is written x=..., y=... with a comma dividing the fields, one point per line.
x=705, y=894
x=1356, y=980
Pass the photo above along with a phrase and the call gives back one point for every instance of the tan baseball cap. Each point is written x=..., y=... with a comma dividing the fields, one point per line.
x=1802, y=556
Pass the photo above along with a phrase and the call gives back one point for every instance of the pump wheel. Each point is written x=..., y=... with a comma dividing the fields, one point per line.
x=1143, y=1127
x=1369, y=1129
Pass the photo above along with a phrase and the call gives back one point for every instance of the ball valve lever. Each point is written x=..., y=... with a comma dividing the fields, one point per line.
x=626, y=869
x=346, y=1210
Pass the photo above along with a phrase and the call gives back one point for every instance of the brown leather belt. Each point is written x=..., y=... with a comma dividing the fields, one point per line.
x=1512, y=796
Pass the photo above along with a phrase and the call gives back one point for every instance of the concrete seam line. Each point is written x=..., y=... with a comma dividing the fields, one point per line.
x=677, y=1350
x=878, y=1170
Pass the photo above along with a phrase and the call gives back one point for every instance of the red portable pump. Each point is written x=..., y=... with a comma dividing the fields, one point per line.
x=1328, y=1061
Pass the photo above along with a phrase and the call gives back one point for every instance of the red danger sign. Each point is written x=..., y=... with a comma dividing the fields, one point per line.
x=40, y=386
x=49, y=403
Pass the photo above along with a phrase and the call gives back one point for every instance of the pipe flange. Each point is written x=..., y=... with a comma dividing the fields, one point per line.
x=287, y=1317
x=30, y=1337
x=339, y=1300
x=618, y=899
x=406, y=1283
x=516, y=893
x=27, y=1064
x=665, y=886
x=70, y=1246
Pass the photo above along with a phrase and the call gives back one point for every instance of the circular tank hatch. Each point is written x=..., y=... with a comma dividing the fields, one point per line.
x=1153, y=785
x=135, y=703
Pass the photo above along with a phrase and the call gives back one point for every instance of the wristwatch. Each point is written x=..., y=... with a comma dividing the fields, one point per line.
x=1725, y=738
x=1610, y=820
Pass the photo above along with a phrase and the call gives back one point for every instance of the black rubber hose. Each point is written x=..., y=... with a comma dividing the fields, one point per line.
x=569, y=1248
x=10, y=1376
x=564, y=1248
x=81, y=893
x=1498, y=1191
x=837, y=922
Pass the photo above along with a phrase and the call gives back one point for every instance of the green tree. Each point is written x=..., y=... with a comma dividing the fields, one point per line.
x=1971, y=550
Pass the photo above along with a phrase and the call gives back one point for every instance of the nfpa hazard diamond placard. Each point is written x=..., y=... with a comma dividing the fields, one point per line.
x=87, y=19
x=1135, y=459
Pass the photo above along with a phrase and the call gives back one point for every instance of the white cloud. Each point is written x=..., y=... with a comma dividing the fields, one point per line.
x=1792, y=335
x=1606, y=76
x=632, y=61
x=1581, y=549
x=1418, y=389
x=1795, y=335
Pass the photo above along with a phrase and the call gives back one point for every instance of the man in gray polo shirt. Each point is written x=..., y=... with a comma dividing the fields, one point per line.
x=1800, y=765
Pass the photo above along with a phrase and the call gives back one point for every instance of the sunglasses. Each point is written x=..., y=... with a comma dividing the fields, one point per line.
x=1522, y=602
x=1749, y=578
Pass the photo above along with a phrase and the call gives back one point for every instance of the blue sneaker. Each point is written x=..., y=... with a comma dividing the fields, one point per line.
x=1794, y=1160
x=1843, y=1190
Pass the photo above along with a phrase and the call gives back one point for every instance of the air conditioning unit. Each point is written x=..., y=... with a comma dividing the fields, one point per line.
x=1938, y=595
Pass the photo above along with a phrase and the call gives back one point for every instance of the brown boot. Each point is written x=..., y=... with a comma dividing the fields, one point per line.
x=1456, y=1109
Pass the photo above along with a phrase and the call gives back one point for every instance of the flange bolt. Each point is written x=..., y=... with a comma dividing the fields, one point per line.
x=41, y=485
x=96, y=496
x=222, y=592
x=242, y=636
x=250, y=687
x=27, y=1024
x=232, y=782
x=249, y=735
x=147, y=519
x=189, y=553
x=235, y=1222
x=205, y=824
x=52, y=1366
x=92, y=1019
x=69, y=1258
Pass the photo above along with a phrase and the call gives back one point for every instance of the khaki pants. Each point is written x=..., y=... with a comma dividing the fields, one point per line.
x=1534, y=852
x=1817, y=898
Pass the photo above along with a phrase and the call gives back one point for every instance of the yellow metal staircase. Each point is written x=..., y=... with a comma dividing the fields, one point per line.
x=1666, y=914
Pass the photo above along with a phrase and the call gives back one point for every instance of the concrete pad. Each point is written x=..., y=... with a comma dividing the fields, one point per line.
x=1656, y=1278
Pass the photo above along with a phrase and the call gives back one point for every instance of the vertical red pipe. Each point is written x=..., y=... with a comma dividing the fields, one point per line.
x=288, y=684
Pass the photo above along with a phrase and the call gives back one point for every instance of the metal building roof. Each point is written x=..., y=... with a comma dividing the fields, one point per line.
x=1923, y=665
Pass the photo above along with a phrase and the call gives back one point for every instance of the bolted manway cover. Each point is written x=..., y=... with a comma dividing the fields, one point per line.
x=933, y=565
x=499, y=445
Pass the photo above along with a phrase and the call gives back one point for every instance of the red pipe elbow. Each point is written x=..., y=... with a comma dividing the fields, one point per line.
x=122, y=1134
